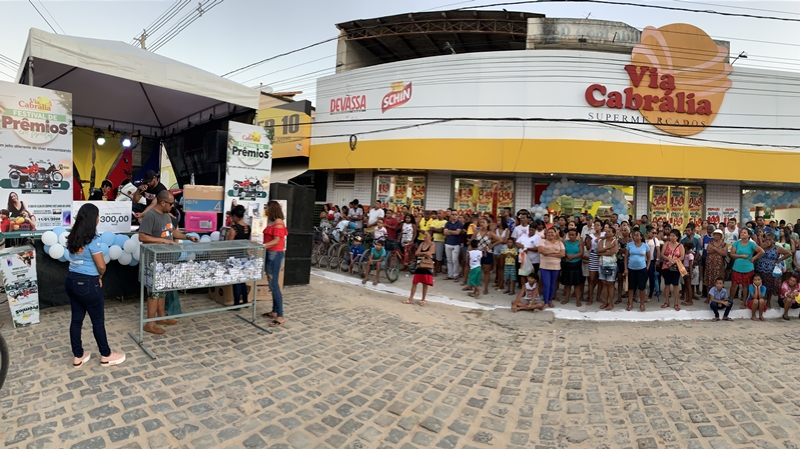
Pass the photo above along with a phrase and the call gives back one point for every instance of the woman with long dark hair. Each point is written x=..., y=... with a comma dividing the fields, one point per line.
x=274, y=240
x=16, y=209
x=239, y=231
x=84, y=286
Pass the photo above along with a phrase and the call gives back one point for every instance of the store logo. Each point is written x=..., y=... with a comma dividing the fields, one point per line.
x=349, y=103
x=670, y=86
x=39, y=104
x=399, y=96
x=254, y=137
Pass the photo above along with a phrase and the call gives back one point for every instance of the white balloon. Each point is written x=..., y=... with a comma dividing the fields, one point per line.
x=215, y=236
x=62, y=240
x=564, y=180
x=107, y=258
x=559, y=185
x=114, y=251
x=56, y=251
x=49, y=238
x=134, y=237
x=125, y=258
x=136, y=251
x=572, y=184
x=129, y=246
x=205, y=239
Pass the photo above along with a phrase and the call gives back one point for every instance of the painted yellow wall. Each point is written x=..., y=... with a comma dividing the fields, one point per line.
x=558, y=156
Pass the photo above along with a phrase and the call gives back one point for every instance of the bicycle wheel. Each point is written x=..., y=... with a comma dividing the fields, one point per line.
x=316, y=253
x=359, y=266
x=342, y=252
x=333, y=256
x=5, y=361
x=392, y=268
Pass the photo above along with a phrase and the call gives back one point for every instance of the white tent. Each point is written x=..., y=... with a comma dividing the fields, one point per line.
x=130, y=89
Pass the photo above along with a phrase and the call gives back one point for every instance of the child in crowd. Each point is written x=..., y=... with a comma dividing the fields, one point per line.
x=510, y=267
x=475, y=274
x=529, y=297
x=688, y=263
x=380, y=231
x=718, y=297
x=755, y=298
x=355, y=250
x=376, y=256
x=5, y=222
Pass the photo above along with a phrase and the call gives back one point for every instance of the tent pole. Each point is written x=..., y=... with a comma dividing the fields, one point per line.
x=30, y=70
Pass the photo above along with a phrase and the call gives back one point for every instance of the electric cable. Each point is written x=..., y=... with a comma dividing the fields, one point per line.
x=271, y=58
x=52, y=17
x=43, y=17
x=171, y=33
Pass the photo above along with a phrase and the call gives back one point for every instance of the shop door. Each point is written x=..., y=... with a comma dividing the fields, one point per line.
x=343, y=195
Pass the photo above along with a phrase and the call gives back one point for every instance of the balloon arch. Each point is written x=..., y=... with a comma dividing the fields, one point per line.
x=583, y=191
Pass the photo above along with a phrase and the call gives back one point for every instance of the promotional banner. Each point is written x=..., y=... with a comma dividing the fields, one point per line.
x=248, y=167
x=658, y=202
x=401, y=190
x=730, y=212
x=115, y=216
x=485, y=196
x=505, y=194
x=677, y=205
x=18, y=266
x=466, y=195
x=677, y=219
x=418, y=191
x=695, y=204
x=291, y=124
x=714, y=215
x=384, y=186
x=36, y=145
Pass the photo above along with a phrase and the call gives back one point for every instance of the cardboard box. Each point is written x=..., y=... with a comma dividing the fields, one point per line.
x=203, y=198
x=224, y=294
x=201, y=221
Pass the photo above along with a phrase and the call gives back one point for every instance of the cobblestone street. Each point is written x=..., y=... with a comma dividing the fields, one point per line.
x=356, y=369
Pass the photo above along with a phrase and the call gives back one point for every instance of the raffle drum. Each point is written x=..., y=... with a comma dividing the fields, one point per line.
x=185, y=266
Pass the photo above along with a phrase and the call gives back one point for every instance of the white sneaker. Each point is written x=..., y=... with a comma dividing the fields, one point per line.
x=113, y=359
x=78, y=362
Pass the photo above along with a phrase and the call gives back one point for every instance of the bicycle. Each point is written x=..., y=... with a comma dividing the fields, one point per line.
x=5, y=361
x=322, y=243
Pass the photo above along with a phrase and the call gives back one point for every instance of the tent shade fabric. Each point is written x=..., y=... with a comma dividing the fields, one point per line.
x=283, y=173
x=130, y=89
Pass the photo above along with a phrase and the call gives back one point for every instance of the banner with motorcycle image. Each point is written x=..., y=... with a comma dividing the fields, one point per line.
x=36, y=152
x=248, y=168
x=18, y=268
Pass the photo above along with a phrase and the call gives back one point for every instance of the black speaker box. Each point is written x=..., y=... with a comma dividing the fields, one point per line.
x=297, y=271
x=299, y=246
x=215, y=147
x=300, y=205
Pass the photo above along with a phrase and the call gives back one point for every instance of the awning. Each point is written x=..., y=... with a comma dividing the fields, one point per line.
x=116, y=84
x=282, y=173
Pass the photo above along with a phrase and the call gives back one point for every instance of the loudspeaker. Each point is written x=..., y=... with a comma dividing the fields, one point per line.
x=299, y=246
x=215, y=147
x=300, y=202
x=297, y=271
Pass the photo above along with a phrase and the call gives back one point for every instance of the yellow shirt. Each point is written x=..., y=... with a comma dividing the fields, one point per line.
x=438, y=224
x=471, y=229
x=423, y=226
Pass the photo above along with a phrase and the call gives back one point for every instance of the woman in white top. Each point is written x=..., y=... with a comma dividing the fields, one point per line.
x=502, y=233
x=655, y=253
x=594, y=261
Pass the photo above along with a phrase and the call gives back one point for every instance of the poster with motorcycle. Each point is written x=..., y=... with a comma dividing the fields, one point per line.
x=248, y=169
x=36, y=149
x=18, y=267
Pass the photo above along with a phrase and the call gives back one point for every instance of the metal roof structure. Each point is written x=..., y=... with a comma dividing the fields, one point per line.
x=419, y=35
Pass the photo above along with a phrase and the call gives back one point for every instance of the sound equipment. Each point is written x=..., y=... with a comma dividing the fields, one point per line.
x=299, y=246
x=297, y=271
x=300, y=205
x=215, y=147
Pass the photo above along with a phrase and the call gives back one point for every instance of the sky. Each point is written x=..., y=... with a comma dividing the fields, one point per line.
x=236, y=33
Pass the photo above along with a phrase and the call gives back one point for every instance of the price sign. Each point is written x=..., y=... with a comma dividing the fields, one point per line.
x=418, y=191
x=659, y=200
x=115, y=216
x=401, y=190
x=676, y=219
x=505, y=194
x=677, y=198
x=714, y=215
x=384, y=185
x=695, y=199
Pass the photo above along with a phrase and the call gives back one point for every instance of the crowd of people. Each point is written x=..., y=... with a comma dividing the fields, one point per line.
x=540, y=262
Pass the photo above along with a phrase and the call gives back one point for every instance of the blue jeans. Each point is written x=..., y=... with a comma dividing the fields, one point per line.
x=273, y=267
x=549, y=279
x=239, y=294
x=715, y=308
x=651, y=275
x=86, y=296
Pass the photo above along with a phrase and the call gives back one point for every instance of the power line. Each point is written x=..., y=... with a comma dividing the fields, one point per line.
x=257, y=63
x=42, y=16
x=737, y=7
x=638, y=5
x=51, y=16
x=184, y=23
x=160, y=21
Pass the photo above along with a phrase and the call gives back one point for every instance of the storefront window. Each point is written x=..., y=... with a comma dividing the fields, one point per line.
x=679, y=205
x=572, y=198
x=771, y=204
x=483, y=195
x=397, y=191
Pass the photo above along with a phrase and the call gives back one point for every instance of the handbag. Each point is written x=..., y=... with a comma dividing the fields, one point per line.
x=681, y=269
x=426, y=264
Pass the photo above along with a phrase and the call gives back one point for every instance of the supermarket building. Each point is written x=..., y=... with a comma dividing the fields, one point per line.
x=478, y=110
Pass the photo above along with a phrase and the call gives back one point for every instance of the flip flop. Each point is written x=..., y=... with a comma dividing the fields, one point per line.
x=677, y=308
x=665, y=305
x=641, y=308
x=422, y=303
x=715, y=319
x=727, y=318
x=408, y=301
x=275, y=323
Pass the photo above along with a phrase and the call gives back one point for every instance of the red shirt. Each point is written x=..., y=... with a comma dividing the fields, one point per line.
x=5, y=226
x=391, y=222
x=272, y=231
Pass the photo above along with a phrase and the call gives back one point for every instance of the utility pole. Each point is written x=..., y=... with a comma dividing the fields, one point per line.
x=142, y=39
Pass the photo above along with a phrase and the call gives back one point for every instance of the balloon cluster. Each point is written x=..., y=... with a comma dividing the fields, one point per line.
x=119, y=247
x=606, y=195
x=769, y=200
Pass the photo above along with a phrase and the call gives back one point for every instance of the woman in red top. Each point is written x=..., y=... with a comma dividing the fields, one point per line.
x=274, y=238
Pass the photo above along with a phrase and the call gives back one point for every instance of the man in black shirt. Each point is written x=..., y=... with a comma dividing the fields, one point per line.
x=149, y=189
x=102, y=193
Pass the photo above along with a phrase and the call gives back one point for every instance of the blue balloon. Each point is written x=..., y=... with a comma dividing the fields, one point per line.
x=47, y=249
x=119, y=240
x=65, y=257
x=104, y=248
x=133, y=263
x=59, y=230
x=107, y=238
